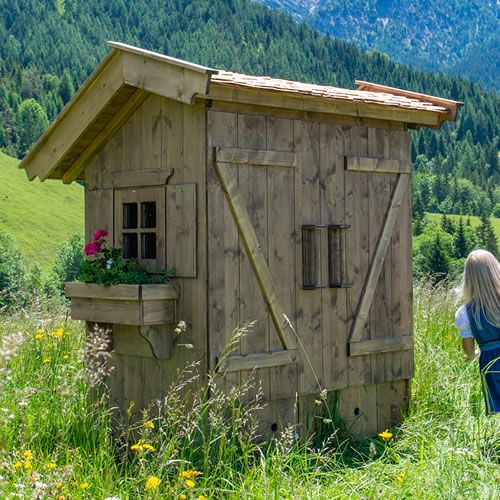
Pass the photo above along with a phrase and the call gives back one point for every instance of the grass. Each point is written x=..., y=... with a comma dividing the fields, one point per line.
x=39, y=216
x=473, y=220
x=54, y=441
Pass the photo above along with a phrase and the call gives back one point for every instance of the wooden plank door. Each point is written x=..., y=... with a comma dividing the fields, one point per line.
x=251, y=248
x=377, y=179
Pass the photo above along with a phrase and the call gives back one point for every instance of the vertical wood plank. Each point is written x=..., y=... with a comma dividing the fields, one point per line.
x=253, y=190
x=132, y=137
x=181, y=229
x=223, y=247
x=357, y=407
x=98, y=212
x=151, y=132
x=133, y=381
x=333, y=300
x=380, y=191
x=357, y=245
x=175, y=139
x=307, y=211
x=281, y=249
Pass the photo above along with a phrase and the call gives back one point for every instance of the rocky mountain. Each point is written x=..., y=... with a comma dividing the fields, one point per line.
x=460, y=37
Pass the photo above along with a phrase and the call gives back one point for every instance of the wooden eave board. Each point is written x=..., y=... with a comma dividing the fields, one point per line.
x=298, y=101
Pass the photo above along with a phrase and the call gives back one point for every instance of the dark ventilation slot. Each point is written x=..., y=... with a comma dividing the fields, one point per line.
x=130, y=246
x=148, y=245
x=148, y=215
x=130, y=216
x=336, y=256
x=311, y=257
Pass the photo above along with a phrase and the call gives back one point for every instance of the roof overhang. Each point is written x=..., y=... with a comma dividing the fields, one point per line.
x=127, y=75
x=114, y=90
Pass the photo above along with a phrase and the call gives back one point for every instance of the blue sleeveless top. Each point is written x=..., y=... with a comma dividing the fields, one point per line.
x=486, y=335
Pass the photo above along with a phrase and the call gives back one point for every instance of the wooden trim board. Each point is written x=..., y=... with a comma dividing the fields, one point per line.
x=254, y=361
x=376, y=165
x=249, y=157
x=388, y=344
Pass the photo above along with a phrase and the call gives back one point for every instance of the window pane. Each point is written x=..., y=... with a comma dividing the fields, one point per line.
x=130, y=246
x=129, y=215
x=148, y=245
x=148, y=214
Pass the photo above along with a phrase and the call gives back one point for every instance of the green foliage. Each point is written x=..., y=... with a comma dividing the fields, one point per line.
x=445, y=448
x=66, y=87
x=486, y=237
x=108, y=267
x=69, y=259
x=32, y=121
x=13, y=273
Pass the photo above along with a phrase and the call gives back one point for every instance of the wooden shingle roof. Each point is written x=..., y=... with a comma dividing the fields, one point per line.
x=127, y=75
x=372, y=96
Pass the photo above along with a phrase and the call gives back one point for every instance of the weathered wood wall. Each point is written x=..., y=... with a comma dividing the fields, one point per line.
x=162, y=141
x=318, y=190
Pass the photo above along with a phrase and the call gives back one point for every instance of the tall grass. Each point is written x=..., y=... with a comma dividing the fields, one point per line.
x=56, y=438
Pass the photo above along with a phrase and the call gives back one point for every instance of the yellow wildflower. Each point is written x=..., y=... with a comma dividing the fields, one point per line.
x=202, y=497
x=190, y=483
x=84, y=485
x=400, y=479
x=182, y=496
x=28, y=466
x=40, y=331
x=152, y=482
x=189, y=474
x=65, y=357
x=18, y=465
x=59, y=497
x=39, y=336
x=28, y=455
x=51, y=334
x=51, y=466
x=141, y=445
x=59, y=485
x=45, y=360
x=149, y=424
x=386, y=435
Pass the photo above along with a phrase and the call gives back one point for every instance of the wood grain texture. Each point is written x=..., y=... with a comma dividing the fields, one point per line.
x=383, y=165
x=256, y=157
x=380, y=345
x=255, y=360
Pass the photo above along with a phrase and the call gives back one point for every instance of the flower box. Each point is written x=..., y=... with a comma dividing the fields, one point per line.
x=124, y=304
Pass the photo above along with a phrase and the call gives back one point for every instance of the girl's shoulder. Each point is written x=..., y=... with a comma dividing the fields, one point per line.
x=462, y=318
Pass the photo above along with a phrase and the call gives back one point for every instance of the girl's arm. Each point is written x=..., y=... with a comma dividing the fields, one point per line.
x=469, y=348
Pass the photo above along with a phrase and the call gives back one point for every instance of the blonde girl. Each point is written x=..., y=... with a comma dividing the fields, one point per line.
x=479, y=321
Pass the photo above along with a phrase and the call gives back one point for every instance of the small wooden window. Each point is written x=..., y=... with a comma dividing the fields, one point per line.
x=336, y=256
x=311, y=257
x=140, y=218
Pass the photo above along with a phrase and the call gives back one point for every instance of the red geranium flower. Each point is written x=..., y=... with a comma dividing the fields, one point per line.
x=100, y=234
x=92, y=248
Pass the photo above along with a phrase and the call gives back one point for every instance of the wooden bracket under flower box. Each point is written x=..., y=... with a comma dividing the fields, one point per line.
x=140, y=305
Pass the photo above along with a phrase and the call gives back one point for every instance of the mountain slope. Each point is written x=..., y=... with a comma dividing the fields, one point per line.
x=458, y=165
x=39, y=216
x=428, y=34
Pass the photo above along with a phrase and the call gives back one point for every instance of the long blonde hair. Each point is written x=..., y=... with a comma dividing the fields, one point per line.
x=481, y=285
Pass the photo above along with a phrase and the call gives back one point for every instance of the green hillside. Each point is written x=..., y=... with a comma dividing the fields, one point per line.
x=38, y=215
x=473, y=220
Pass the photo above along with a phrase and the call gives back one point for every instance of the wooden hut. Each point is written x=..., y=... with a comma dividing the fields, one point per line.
x=276, y=201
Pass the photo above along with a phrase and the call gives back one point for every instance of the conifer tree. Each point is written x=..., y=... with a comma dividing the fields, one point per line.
x=461, y=247
x=66, y=87
x=32, y=121
x=486, y=235
x=447, y=224
x=439, y=262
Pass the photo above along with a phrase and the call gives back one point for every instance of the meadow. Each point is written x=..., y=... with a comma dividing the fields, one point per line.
x=474, y=221
x=39, y=216
x=56, y=442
